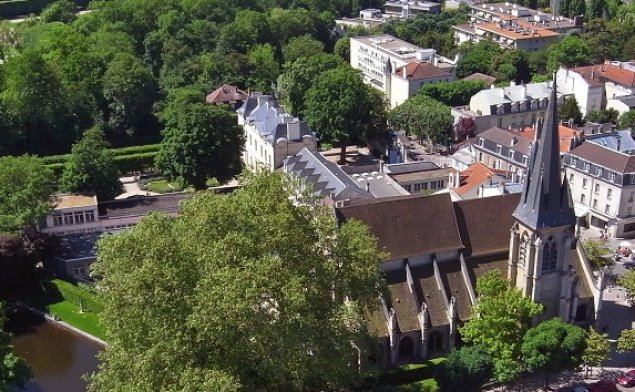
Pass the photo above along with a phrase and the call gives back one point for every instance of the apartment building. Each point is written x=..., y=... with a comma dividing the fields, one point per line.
x=405, y=8
x=601, y=175
x=271, y=134
x=505, y=11
x=398, y=68
x=618, y=77
x=588, y=93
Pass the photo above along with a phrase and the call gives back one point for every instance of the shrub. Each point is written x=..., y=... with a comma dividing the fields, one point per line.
x=135, y=162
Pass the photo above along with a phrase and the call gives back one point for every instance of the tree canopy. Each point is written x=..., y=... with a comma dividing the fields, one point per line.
x=25, y=192
x=627, y=120
x=200, y=141
x=251, y=291
x=424, y=117
x=342, y=109
x=14, y=372
x=597, y=348
x=454, y=93
x=91, y=168
x=499, y=320
x=597, y=251
x=466, y=369
x=570, y=110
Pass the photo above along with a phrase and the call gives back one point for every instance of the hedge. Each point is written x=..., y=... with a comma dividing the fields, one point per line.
x=57, y=169
x=114, y=151
x=54, y=159
x=14, y=8
x=135, y=162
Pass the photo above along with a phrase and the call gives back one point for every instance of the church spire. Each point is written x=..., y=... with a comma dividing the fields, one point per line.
x=545, y=201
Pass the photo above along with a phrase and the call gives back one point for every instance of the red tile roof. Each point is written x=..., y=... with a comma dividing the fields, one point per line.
x=473, y=176
x=226, y=93
x=421, y=70
x=608, y=72
x=565, y=134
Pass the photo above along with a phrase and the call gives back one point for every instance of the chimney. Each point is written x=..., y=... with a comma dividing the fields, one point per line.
x=404, y=72
x=492, y=86
x=381, y=165
x=570, y=123
x=619, y=141
x=262, y=99
x=293, y=130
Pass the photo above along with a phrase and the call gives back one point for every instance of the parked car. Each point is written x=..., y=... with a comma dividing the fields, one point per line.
x=629, y=265
x=627, y=379
x=602, y=386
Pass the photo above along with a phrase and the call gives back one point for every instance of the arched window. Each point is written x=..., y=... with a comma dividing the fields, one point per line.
x=406, y=348
x=549, y=255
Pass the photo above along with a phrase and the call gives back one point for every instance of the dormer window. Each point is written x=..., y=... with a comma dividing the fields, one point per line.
x=587, y=166
x=480, y=141
x=612, y=176
x=499, y=149
x=598, y=171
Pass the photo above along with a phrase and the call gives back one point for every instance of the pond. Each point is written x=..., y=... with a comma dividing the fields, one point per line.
x=58, y=357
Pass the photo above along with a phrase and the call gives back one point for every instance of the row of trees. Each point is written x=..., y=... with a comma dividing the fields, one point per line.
x=570, y=110
x=502, y=343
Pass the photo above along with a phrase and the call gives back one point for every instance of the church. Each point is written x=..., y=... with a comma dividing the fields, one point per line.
x=438, y=248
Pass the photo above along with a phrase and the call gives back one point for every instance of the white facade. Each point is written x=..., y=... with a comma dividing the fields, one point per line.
x=271, y=134
x=587, y=93
x=622, y=104
x=404, y=85
x=72, y=214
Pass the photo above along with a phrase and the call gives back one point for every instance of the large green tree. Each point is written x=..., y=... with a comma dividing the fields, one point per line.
x=627, y=120
x=200, y=141
x=424, y=117
x=25, y=192
x=342, y=109
x=14, y=372
x=454, y=93
x=300, y=75
x=499, y=320
x=59, y=11
x=301, y=47
x=466, y=369
x=627, y=281
x=597, y=252
x=553, y=346
x=249, y=291
x=570, y=51
x=626, y=342
x=607, y=116
x=570, y=110
x=91, y=168
x=597, y=348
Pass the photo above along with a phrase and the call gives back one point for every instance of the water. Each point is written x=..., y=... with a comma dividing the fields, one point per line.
x=58, y=357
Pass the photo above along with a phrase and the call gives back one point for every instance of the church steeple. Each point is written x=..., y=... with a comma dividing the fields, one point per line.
x=545, y=201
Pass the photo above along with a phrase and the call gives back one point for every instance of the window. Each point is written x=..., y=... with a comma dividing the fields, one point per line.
x=57, y=220
x=90, y=216
x=612, y=176
x=79, y=217
x=632, y=179
x=587, y=166
x=582, y=198
x=499, y=149
x=511, y=154
x=441, y=184
x=609, y=193
x=524, y=250
x=79, y=270
x=596, y=188
x=524, y=160
x=549, y=255
x=570, y=178
x=480, y=157
x=480, y=141
x=584, y=182
x=607, y=209
x=407, y=187
x=574, y=161
x=424, y=186
x=433, y=185
x=68, y=219
x=598, y=171
x=595, y=203
x=417, y=187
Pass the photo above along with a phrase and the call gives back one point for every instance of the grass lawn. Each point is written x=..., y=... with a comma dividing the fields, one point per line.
x=62, y=299
x=162, y=186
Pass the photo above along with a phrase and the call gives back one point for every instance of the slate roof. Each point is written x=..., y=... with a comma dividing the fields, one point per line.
x=545, y=201
x=226, y=93
x=621, y=141
x=501, y=95
x=452, y=279
x=402, y=300
x=478, y=266
x=485, y=223
x=326, y=177
x=269, y=119
x=428, y=290
x=402, y=225
x=620, y=163
x=78, y=246
x=141, y=205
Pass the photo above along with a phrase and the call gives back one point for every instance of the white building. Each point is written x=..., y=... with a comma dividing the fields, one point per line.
x=405, y=8
x=601, y=174
x=271, y=134
x=618, y=77
x=382, y=58
x=622, y=104
x=588, y=92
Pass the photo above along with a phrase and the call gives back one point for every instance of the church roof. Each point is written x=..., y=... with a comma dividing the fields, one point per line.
x=545, y=201
x=402, y=224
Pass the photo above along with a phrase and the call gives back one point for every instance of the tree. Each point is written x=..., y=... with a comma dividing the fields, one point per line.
x=596, y=252
x=25, y=192
x=341, y=108
x=91, y=169
x=454, y=93
x=466, y=369
x=301, y=47
x=248, y=291
x=569, y=52
x=300, y=75
x=626, y=341
x=423, y=117
x=627, y=120
x=627, y=281
x=343, y=48
x=570, y=110
x=129, y=91
x=499, y=320
x=14, y=372
x=553, y=346
x=476, y=58
x=597, y=348
x=59, y=11
x=265, y=69
x=200, y=141
x=603, y=116
x=464, y=128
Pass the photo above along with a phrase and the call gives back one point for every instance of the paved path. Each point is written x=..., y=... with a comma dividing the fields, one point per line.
x=131, y=188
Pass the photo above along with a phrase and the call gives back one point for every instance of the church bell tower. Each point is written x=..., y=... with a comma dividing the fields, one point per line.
x=543, y=235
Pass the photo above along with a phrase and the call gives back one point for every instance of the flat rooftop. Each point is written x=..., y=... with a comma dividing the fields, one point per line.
x=141, y=205
x=518, y=32
x=74, y=201
x=392, y=45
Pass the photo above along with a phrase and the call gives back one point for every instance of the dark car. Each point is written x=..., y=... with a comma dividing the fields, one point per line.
x=627, y=379
x=602, y=386
x=629, y=265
